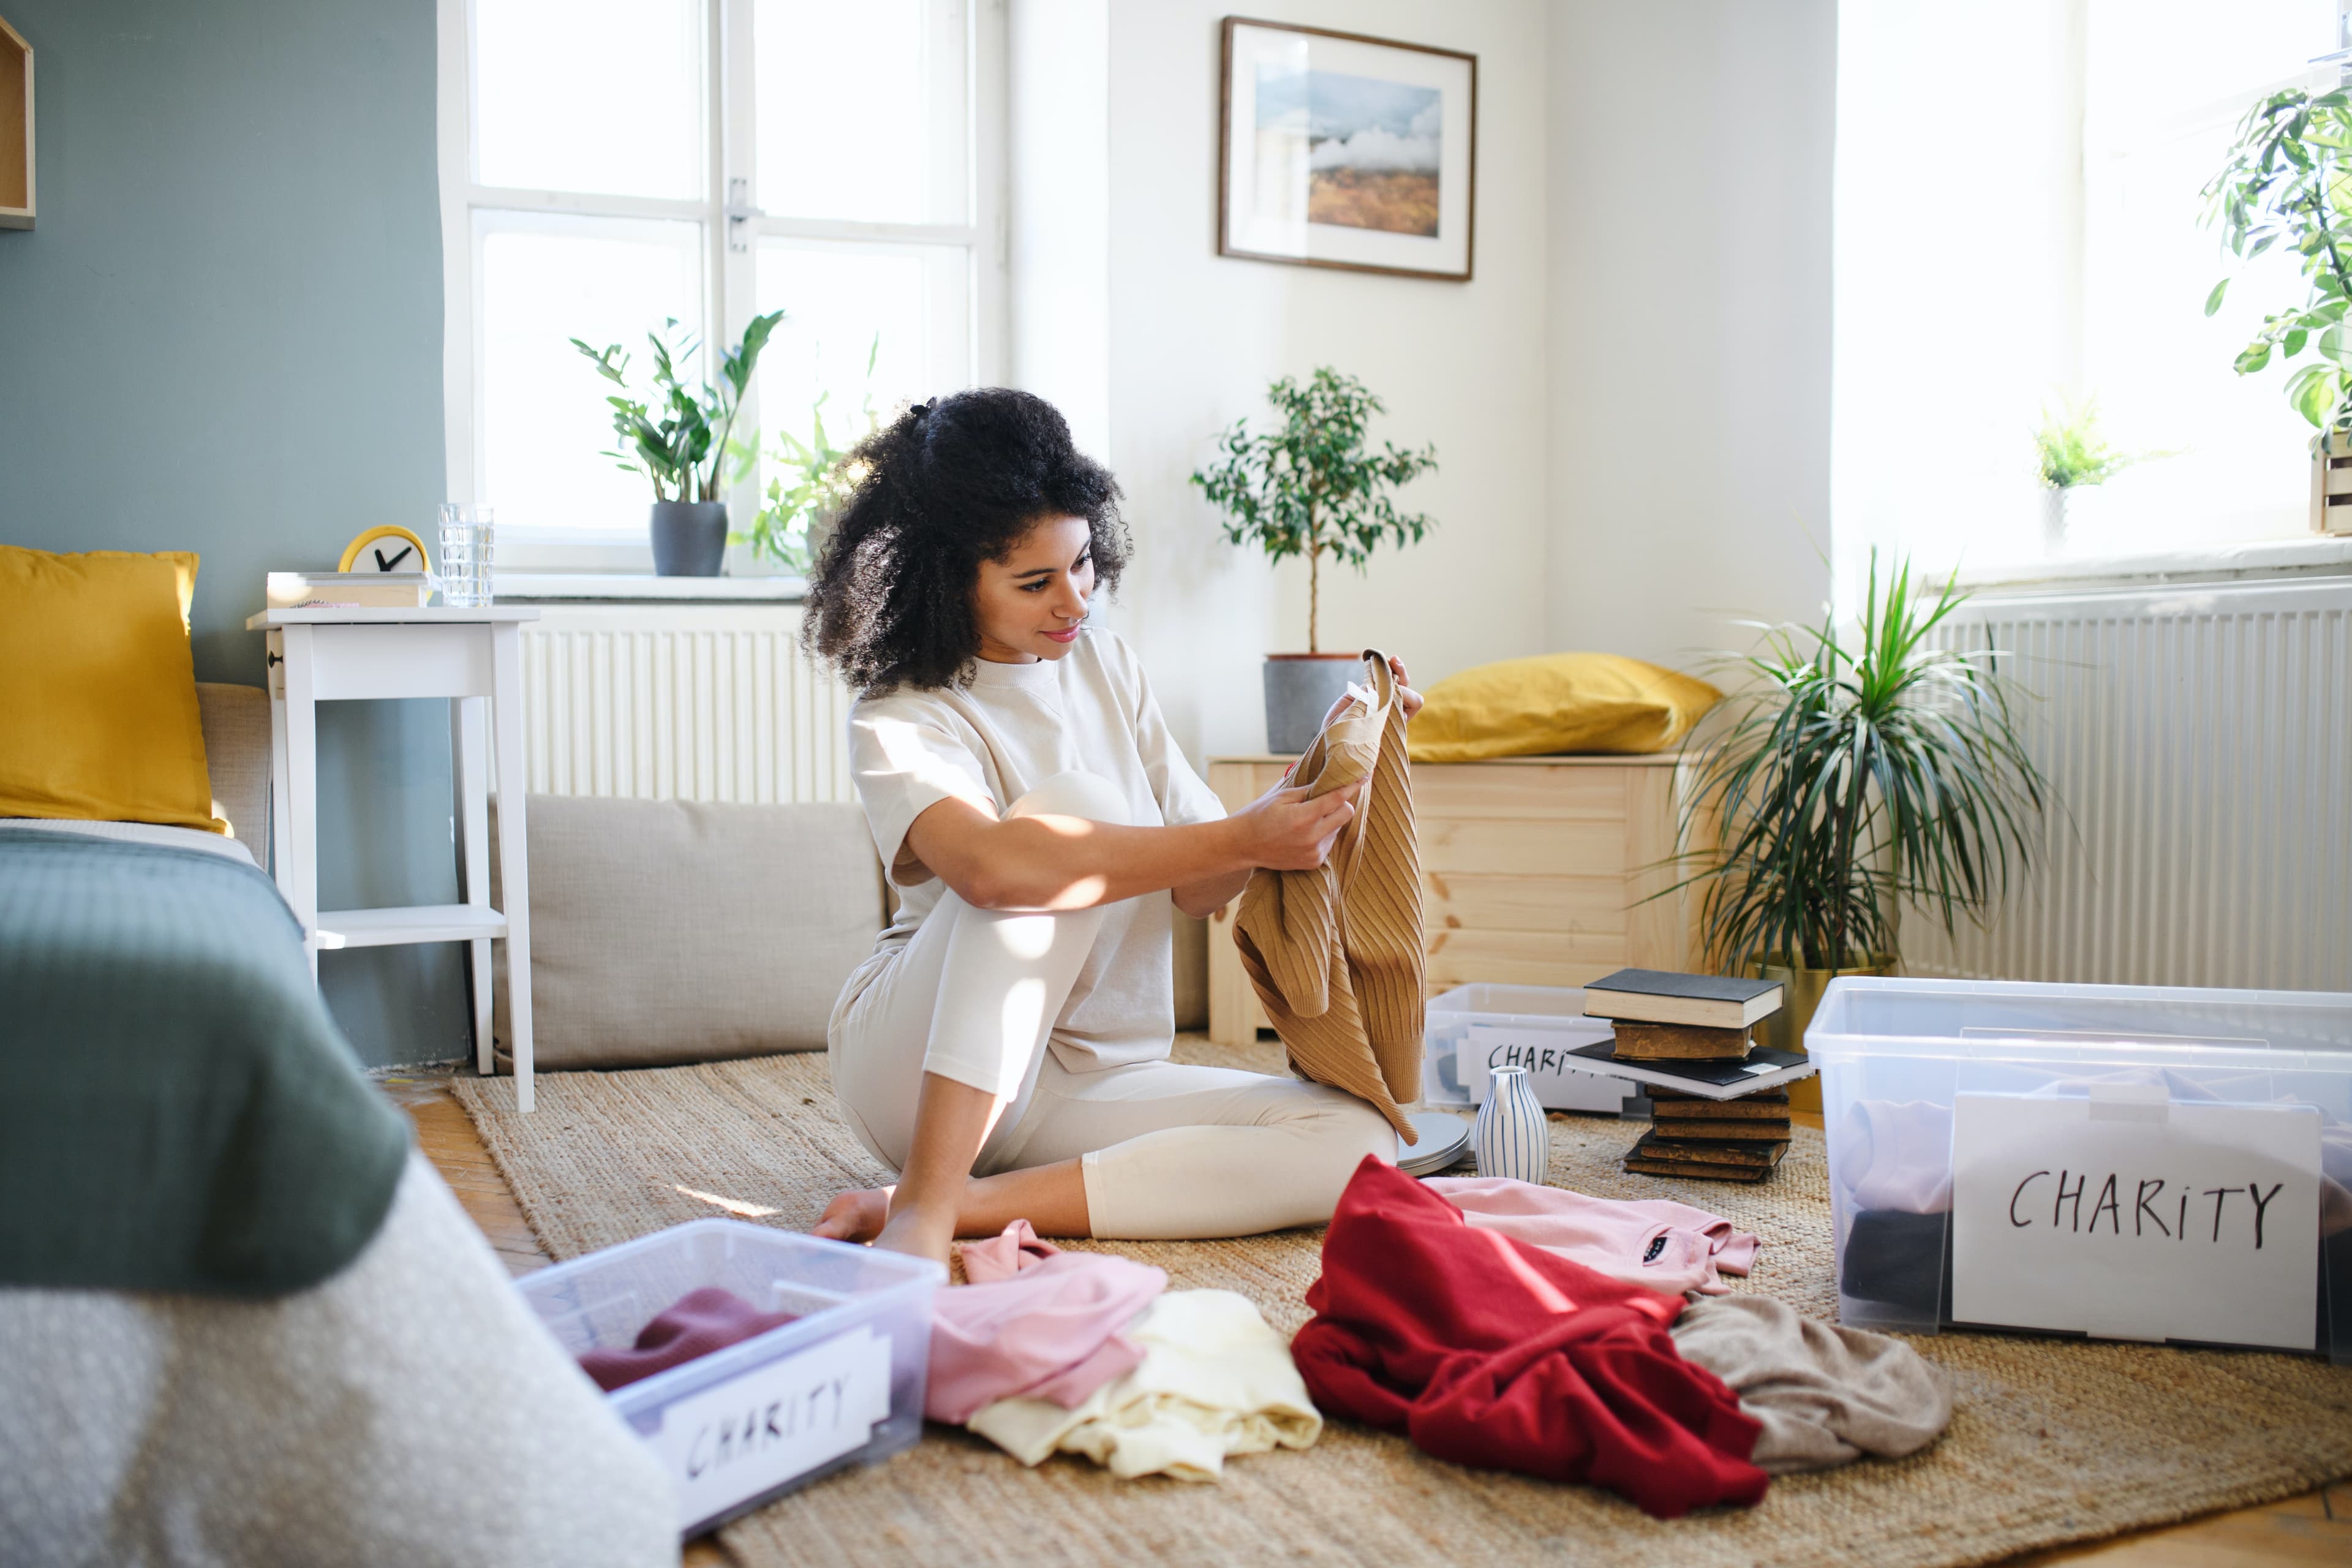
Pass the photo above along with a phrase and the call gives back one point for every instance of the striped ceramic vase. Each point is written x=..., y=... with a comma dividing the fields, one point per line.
x=1512, y=1137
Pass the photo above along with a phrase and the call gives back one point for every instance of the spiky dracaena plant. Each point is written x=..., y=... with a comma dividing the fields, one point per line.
x=1850, y=778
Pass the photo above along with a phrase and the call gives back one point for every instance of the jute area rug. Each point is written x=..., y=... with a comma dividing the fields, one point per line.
x=2053, y=1441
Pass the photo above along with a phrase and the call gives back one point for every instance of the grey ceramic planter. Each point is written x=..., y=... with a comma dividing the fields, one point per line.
x=1299, y=689
x=690, y=538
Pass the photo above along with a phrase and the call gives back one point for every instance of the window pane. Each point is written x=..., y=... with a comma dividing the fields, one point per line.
x=543, y=418
x=903, y=305
x=589, y=95
x=862, y=109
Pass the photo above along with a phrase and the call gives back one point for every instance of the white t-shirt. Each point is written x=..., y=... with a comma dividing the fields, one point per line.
x=1013, y=728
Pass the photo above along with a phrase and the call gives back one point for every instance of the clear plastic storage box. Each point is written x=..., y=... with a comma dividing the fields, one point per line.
x=1473, y=1028
x=753, y=1420
x=2122, y=1161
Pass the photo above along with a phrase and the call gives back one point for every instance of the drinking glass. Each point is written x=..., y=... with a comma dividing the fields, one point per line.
x=469, y=545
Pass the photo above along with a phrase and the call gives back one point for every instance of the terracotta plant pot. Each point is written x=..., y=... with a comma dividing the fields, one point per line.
x=1785, y=1030
x=1300, y=687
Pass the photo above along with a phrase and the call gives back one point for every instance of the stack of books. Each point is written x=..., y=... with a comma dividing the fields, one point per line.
x=1719, y=1106
x=349, y=590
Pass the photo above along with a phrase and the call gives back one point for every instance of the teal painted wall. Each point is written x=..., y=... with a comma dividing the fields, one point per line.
x=225, y=335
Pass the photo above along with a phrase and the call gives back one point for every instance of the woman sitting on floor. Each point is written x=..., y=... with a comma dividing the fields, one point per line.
x=1005, y=1048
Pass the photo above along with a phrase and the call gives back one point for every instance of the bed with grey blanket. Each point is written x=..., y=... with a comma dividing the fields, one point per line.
x=241, y=1320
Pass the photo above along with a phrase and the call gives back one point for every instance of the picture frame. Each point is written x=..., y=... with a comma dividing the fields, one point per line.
x=1346, y=150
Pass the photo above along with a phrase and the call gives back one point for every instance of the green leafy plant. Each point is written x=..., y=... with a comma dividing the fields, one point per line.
x=1311, y=486
x=1852, y=777
x=687, y=425
x=815, y=483
x=2075, y=452
x=2288, y=180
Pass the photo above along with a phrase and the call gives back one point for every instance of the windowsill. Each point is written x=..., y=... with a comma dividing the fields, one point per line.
x=620, y=587
x=2313, y=555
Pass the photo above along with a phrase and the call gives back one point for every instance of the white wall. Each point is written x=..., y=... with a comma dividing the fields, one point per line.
x=1689, y=231
x=1630, y=399
x=1194, y=338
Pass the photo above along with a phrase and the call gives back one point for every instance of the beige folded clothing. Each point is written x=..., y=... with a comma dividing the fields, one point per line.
x=1335, y=953
x=1215, y=1382
x=1824, y=1395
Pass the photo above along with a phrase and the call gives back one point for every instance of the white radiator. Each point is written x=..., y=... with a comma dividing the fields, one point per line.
x=687, y=702
x=2201, y=741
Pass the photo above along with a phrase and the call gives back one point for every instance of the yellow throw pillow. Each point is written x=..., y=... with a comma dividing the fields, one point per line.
x=1558, y=702
x=98, y=692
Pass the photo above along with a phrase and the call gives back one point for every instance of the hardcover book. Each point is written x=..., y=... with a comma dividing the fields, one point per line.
x=1662, y=997
x=1673, y=1041
x=1763, y=1068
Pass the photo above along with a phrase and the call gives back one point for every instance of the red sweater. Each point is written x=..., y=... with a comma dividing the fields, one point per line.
x=1488, y=1352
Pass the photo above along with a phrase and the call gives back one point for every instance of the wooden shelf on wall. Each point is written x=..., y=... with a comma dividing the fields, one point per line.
x=16, y=129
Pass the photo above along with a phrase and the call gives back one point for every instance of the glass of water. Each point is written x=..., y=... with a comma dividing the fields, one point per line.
x=468, y=546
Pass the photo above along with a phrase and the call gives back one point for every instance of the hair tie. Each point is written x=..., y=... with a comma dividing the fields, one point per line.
x=918, y=411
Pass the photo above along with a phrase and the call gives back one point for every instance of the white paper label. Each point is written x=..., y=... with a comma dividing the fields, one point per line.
x=2127, y=1217
x=1546, y=1054
x=756, y=1431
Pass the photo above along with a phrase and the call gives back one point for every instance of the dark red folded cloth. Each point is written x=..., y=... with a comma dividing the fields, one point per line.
x=1486, y=1352
x=693, y=1325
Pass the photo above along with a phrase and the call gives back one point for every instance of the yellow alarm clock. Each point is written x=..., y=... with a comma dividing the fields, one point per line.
x=390, y=548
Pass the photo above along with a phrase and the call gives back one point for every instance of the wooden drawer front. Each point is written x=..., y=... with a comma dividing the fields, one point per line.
x=1520, y=957
x=1453, y=790
x=1593, y=906
x=1523, y=848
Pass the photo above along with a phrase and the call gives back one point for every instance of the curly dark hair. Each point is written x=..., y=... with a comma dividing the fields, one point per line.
x=948, y=485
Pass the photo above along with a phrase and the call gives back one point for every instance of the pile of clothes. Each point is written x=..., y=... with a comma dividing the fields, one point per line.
x=1489, y=1351
x=1494, y=1322
x=1049, y=1352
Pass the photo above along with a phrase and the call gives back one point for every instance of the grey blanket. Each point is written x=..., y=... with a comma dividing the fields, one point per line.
x=177, y=1111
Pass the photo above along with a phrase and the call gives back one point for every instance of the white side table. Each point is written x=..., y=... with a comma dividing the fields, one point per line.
x=473, y=657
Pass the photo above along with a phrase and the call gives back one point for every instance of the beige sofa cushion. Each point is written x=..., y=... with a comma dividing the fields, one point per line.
x=668, y=931
x=236, y=751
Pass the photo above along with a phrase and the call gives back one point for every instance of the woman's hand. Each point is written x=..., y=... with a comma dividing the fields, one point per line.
x=1406, y=694
x=1285, y=831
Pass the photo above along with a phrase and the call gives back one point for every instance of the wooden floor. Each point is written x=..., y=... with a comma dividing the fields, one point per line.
x=2300, y=1530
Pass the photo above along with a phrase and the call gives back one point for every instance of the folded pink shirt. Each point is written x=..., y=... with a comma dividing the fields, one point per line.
x=1036, y=1322
x=1654, y=1242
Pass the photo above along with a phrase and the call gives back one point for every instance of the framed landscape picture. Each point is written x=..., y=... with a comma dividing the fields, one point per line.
x=1338, y=149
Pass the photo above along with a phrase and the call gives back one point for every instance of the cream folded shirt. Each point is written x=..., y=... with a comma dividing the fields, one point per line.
x=991, y=742
x=1215, y=1382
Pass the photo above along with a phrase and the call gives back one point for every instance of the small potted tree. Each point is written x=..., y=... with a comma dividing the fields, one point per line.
x=1312, y=487
x=2285, y=185
x=680, y=441
x=1849, y=778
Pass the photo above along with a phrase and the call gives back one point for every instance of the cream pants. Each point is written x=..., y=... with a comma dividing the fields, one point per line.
x=1166, y=1151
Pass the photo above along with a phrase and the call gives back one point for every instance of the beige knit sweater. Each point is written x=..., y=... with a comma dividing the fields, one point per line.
x=1336, y=953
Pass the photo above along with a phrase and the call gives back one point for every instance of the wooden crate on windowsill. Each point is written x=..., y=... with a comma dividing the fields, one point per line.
x=1534, y=872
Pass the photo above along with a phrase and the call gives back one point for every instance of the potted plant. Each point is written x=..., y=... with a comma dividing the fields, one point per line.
x=2073, y=453
x=2286, y=183
x=1847, y=779
x=815, y=482
x=1311, y=486
x=680, y=440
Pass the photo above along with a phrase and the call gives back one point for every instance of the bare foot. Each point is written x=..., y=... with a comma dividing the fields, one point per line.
x=856, y=1215
x=912, y=1231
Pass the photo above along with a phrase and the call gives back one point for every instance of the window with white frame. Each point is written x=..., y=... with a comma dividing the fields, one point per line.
x=608, y=165
x=2020, y=223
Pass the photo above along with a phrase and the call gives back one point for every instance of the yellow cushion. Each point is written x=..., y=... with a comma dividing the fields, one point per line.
x=1558, y=702
x=98, y=693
